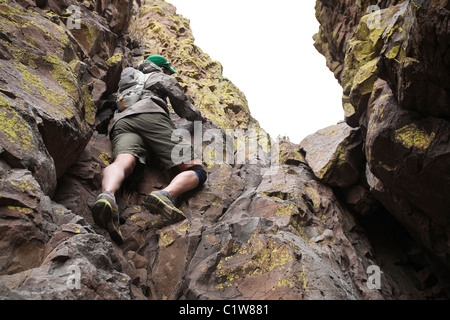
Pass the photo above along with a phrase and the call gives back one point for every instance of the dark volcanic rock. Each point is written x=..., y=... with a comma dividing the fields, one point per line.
x=393, y=65
x=265, y=225
x=335, y=154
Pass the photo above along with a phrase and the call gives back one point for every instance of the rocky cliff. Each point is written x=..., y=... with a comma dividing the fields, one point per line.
x=392, y=60
x=321, y=220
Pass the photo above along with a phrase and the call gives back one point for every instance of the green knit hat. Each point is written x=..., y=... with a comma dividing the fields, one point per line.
x=160, y=62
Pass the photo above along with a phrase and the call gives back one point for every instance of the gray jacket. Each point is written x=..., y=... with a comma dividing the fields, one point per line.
x=159, y=87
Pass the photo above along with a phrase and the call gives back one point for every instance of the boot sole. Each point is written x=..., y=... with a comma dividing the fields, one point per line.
x=169, y=214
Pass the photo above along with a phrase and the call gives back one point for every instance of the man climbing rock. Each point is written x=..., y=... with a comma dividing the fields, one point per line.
x=146, y=126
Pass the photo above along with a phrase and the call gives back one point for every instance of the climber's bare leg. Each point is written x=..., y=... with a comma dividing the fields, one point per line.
x=184, y=181
x=117, y=172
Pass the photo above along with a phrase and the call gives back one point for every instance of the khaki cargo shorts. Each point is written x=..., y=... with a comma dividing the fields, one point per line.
x=143, y=133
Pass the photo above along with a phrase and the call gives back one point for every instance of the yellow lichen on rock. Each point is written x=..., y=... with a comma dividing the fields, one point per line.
x=411, y=136
x=257, y=257
x=370, y=41
x=13, y=127
x=115, y=59
x=63, y=74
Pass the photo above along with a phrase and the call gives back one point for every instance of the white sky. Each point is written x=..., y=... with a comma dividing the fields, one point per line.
x=266, y=50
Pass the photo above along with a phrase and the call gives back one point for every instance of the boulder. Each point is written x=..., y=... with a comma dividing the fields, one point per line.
x=47, y=252
x=82, y=267
x=334, y=154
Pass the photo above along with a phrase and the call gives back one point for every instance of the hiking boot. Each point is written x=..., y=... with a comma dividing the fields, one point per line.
x=160, y=202
x=105, y=212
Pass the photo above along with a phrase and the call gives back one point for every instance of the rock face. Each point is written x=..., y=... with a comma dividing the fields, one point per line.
x=274, y=221
x=392, y=62
x=53, y=56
